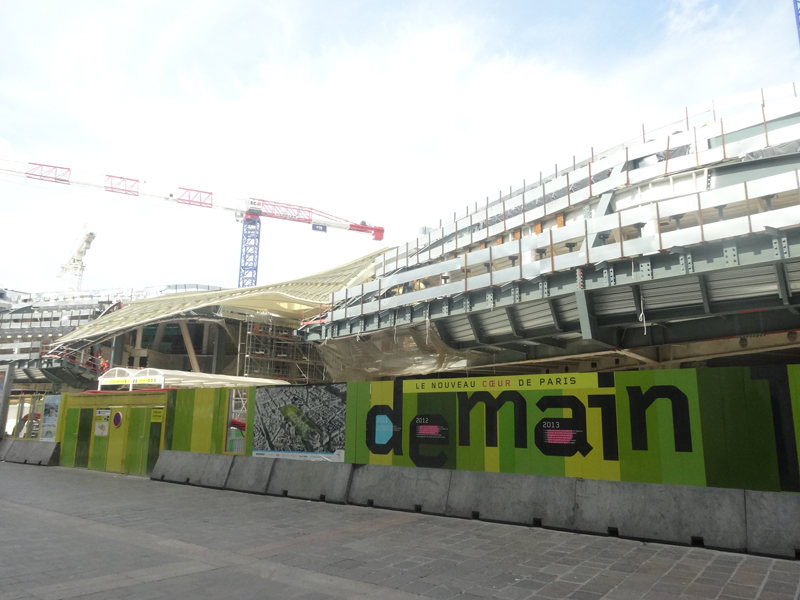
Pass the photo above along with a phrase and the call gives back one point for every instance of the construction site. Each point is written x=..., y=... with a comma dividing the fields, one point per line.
x=674, y=248
x=663, y=272
x=347, y=372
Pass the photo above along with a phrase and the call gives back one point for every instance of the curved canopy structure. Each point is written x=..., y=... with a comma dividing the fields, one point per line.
x=164, y=378
x=287, y=299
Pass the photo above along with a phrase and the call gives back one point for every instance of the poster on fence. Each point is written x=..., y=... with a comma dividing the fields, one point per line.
x=734, y=427
x=306, y=420
x=50, y=418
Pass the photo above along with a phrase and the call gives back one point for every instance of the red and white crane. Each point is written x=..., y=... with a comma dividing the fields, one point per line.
x=249, y=210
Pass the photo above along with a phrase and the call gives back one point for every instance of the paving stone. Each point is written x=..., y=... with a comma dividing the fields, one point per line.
x=105, y=536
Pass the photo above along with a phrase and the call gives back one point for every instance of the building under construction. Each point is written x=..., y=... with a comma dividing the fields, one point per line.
x=242, y=332
x=678, y=247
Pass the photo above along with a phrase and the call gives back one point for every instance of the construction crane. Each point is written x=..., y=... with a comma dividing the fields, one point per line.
x=74, y=265
x=251, y=230
x=249, y=211
x=796, y=6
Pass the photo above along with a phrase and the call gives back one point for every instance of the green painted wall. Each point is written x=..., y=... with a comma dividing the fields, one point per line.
x=731, y=427
x=183, y=421
x=251, y=417
x=188, y=420
x=196, y=420
x=99, y=447
x=134, y=444
x=70, y=439
x=84, y=438
x=117, y=438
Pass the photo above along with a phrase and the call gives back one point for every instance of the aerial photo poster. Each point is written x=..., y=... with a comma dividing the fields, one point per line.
x=303, y=419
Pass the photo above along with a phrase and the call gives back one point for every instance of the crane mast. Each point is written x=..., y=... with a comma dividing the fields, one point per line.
x=251, y=230
x=74, y=265
x=248, y=263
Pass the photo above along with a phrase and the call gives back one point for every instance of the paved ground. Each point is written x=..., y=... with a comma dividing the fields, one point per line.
x=67, y=533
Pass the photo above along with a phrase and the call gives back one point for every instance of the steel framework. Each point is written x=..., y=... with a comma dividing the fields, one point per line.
x=689, y=236
x=248, y=263
x=273, y=352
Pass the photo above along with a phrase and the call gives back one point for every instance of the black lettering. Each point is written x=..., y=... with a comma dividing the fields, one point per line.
x=395, y=416
x=434, y=431
x=466, y=403
x=570, y=437
x=782, y=420
x=607, y=403
x=640, y=402
x=395, y=442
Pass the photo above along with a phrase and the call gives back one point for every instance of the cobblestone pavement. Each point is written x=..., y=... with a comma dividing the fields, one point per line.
x=67, y=533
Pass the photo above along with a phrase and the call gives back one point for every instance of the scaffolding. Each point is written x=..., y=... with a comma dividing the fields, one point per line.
x=273, y=351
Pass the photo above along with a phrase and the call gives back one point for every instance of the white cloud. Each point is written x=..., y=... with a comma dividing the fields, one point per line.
x=399, y=130
x=688, y=16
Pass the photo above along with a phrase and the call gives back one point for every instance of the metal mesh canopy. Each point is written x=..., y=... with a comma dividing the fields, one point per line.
x=287, y=299
x=163, y=378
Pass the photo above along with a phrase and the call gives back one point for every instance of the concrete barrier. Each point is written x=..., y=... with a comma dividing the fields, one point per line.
x=773, y=523
x=250, y=474
x=512, y=498
x=310, y=480
x=402, y=488
x=215, y=471
x=31, y=452
x=758, y=522
x=713, y=517
x=180, y=467
x=5, y=446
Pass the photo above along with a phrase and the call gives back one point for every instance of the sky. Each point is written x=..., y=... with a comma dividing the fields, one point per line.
x=394, y=113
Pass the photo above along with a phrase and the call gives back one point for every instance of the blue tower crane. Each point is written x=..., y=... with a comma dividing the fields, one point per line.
x=248, y=262
x=251, y=230
x=796, y=4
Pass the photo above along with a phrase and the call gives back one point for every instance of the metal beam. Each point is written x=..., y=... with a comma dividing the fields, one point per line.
x=586, y=316
x=441, y=329
x=117, y=349
x=700, y=351
x=701, y=280
x=187, y=341
x=7, y=373
x=653, y=362
x=512, y=321
x=475, y=327
x=554, y=314
x=218, y=349
x=752, y=323
x=159, y=337
x=783, y=288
